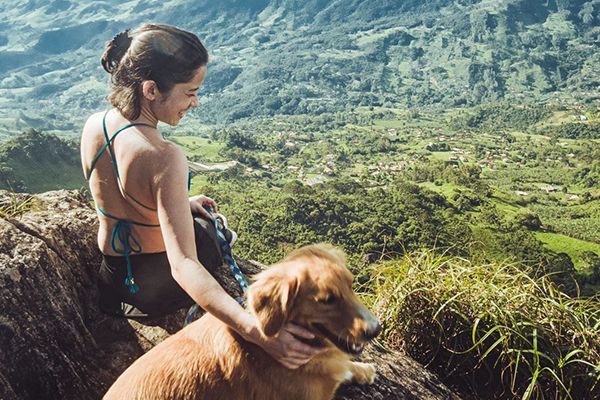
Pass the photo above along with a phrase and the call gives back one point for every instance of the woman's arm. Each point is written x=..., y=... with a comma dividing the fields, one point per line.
x=177, y=228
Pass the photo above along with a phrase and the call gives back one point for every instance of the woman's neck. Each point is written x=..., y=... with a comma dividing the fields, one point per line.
x=147, y=117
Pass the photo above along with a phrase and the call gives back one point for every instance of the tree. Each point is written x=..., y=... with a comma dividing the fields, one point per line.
x=587, y=13
x=530, y=221
x=592, y=262
x=242, y=140
x=563, y=273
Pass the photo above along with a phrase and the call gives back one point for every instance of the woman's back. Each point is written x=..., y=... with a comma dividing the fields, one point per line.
x=137, y=152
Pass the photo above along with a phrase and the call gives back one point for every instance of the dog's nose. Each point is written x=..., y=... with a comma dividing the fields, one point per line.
x=372, y=331
x=372, y=326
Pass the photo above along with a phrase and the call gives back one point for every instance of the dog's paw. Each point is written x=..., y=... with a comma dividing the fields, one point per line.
x=363, y=373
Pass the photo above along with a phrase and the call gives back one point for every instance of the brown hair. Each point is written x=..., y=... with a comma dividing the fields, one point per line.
x=161, y=53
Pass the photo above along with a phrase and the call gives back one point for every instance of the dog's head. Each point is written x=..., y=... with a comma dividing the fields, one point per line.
x=313, y=288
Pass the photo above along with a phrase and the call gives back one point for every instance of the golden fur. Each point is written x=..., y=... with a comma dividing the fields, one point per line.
x=208, y=361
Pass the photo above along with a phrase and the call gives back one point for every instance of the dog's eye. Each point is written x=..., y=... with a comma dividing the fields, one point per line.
x=329, y=299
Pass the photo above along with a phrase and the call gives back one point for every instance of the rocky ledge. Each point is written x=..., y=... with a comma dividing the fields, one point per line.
x=55, y=344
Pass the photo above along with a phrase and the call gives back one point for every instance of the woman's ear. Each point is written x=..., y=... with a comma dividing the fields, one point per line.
x=150, y=90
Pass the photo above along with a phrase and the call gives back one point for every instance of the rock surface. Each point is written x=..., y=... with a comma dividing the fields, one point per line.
x=54, y=344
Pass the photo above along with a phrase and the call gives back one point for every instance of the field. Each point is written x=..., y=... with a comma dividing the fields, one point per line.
x=573, y=247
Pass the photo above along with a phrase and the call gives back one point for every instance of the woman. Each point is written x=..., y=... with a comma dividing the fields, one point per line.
x=139, y=182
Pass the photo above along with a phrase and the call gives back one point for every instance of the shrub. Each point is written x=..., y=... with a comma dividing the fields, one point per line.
x=490, y=329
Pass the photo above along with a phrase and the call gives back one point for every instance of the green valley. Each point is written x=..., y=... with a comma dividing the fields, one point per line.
x=522, y=195
x=36, y=162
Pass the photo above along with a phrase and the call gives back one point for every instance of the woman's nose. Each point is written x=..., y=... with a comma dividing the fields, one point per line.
x=194, y=102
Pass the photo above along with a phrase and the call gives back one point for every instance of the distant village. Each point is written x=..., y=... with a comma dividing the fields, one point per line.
x=313, y=158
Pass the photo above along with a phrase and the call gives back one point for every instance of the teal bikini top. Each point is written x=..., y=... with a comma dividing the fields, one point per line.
x=122, y=239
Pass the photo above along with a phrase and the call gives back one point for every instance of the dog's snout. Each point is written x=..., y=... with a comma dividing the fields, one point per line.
x=372, y=331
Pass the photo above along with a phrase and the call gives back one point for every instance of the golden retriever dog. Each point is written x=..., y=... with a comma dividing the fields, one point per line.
x=207, y=360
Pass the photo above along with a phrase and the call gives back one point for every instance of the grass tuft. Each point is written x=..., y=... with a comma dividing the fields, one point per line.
x=491, y=330
x=16, y=206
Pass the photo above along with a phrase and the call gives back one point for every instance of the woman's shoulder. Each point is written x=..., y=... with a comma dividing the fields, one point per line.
x=169, y=160
x=168, y=154
x=94, y=120
x=89, y=134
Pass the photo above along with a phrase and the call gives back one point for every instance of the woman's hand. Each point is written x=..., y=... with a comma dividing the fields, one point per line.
x=197, y=204
x=287, y=349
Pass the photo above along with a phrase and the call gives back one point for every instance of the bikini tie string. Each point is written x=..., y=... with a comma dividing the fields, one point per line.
x=122, y=232
x=124, y=242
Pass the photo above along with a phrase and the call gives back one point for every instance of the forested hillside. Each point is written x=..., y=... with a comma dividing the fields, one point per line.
x=36, y=162
x=298, y=57
x=480, y=182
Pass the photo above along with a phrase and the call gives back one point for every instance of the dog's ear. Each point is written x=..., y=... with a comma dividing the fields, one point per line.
x=271, y=298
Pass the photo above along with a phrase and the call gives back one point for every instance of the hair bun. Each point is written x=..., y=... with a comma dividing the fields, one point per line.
x=122, y=39
x=115, y=50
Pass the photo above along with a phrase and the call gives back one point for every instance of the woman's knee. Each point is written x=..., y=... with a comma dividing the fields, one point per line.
x=207, y=244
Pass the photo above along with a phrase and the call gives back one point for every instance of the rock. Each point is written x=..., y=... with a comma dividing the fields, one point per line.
x=48, y=258
x=398, y=378
x=55, y=344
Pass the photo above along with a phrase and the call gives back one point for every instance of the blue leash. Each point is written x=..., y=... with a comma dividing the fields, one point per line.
x=226, y=252
x=195, y=311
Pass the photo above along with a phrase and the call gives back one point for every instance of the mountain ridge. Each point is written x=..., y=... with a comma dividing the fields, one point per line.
x=291, y=57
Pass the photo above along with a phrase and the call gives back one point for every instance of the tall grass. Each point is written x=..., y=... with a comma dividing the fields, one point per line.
x=492, y=330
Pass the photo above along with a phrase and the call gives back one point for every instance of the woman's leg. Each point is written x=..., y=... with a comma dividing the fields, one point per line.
x=159, y=294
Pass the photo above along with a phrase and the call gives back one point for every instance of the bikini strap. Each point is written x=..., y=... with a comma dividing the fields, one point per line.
x=113, y=160
x=108, y=146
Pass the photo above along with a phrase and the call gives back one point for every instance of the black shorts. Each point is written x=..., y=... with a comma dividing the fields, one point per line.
x=159, y=294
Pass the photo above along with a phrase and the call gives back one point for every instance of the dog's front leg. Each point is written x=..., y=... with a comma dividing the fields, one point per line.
x=362, y=373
